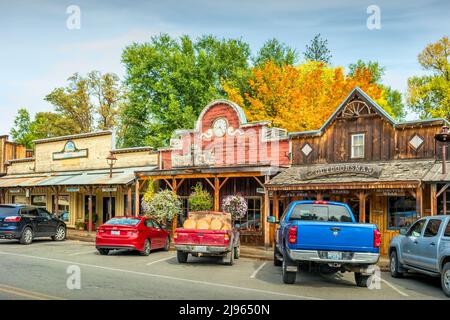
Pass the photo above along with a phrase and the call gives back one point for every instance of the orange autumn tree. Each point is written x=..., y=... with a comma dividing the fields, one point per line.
x=299, y=98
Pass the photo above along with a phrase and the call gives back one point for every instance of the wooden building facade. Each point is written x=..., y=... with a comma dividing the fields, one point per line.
x=9, y=150
x=365, y=158
x=228, y=155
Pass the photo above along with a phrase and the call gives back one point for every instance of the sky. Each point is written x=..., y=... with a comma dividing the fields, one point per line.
x=39, y=52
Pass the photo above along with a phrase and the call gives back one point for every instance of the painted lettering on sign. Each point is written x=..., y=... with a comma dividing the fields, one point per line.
x=365, y=169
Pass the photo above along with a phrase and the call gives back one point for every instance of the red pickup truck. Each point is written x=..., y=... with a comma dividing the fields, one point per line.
x=207, y=233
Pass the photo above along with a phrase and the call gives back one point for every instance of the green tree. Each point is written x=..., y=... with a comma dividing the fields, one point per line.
x=279, y=53
x=50, y=124
x=429, y=95
x=21, y=131
x=392, y=96
x=317, y=50
x=200, y=199
x=171, y=80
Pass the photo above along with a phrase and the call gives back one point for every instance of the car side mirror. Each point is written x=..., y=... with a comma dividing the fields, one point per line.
x=272, y=219
x=403, y=231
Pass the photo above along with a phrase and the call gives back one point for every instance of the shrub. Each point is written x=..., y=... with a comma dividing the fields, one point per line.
x=200, y=199
x=163, y=206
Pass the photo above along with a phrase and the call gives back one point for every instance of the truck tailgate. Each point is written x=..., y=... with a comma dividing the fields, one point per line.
x=329, y=236
x=202, y=237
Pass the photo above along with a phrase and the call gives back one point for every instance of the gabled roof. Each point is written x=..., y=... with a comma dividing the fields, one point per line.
x=375, y=106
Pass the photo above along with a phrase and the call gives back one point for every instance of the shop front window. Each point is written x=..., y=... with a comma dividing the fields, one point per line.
x=133, y=201
x=401, y=212
x=252, y=220
x=20, y=200
x=63, y=207
x=39, y=201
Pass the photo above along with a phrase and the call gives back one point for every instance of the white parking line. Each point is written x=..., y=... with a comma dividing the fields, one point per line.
x=253, y=276
x=395, y=288
x=82, y=252
x=152, y=275
x=160, y=260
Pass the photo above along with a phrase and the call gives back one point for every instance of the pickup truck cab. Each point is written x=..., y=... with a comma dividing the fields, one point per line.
x=424, y=248
x=324, y=236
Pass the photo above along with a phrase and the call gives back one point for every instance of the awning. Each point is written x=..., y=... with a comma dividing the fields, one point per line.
x=121, y=176
x=435, y=174
x=410, y=172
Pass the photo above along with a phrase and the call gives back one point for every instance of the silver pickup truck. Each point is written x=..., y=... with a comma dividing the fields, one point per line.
x=424, y=248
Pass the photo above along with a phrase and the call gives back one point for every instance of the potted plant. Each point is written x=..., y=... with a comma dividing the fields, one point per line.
x=200, y=199
x=79, y=224
x=94, y=221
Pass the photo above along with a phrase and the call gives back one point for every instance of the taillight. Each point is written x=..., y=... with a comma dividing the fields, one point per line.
x=320, y=202
x=175, y=235
x=376, y=238
x=101, y=230
x=12, y=219
x=226, y=237
x=293, y=234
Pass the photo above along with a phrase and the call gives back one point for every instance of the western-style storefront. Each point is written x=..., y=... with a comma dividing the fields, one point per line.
x=363, y=157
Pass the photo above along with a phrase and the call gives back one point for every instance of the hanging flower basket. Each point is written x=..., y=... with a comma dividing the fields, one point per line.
x=236, y=205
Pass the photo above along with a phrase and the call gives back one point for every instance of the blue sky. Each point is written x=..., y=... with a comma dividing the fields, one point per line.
x=38, y=52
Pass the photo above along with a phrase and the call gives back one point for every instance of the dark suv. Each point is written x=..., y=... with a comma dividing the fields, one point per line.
x=26, y=223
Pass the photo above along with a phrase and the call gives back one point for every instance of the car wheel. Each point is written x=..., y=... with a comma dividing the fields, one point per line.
x=445, y=279
x=27, y=236
x=60, y=234
x=147, y=248
x=167, y=245
x=182, y=257
x=103, y=252
x=394, y=265
x=363, y=280
x=237, y=252
x=276, y=262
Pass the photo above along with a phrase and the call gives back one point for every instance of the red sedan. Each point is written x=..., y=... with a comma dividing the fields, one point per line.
x=134, y=233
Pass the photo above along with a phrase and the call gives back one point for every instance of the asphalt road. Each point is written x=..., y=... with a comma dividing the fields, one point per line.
x=44, y=270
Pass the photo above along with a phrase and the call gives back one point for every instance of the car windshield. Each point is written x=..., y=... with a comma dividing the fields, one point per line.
x=320, y=212
x=123, y=221
x=6, y=211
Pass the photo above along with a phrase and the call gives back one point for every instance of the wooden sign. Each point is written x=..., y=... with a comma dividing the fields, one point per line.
x=70, y=151
x=15, y=191
x=391, y=193
x=73, y=189
x=340, y=191
x=109, y=189
x=333, y=169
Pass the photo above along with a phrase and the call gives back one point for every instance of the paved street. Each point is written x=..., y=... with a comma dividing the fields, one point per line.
x=39, y=271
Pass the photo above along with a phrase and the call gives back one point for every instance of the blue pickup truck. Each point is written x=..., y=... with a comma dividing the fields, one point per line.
x=324, y=236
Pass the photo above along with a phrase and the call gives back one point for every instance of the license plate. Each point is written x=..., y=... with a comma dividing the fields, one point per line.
x=115, y=233
x=201, y=249
x=334, y=255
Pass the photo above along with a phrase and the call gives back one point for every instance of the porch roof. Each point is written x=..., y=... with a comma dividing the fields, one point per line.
x=435, y=173
x=121, y=176
x=410, y=172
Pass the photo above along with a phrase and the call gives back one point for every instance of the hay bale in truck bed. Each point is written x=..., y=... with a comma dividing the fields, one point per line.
x=208, y=220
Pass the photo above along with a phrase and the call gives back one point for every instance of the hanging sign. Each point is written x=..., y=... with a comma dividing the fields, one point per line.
x=259, y=190
x=109, y=189
x=332, y=169
x=73, y=189
x=15, y=191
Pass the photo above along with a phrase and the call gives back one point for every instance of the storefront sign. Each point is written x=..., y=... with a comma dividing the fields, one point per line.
x=365, y=169
x=73, y=189
x=109, y=189
x=340, y=191
x=15, y=191
x=259, y=190
x=70, y=151
x=391, y=193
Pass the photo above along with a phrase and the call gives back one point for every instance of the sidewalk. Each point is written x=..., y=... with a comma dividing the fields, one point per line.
x=259, y=253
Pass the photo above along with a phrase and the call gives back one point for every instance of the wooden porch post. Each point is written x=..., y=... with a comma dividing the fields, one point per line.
x=216, y=194
x=175, y=219
x=56, y=201
x=267, y=243
x=319, y=196
x=90, y=210
x=419, y=202
x=129, y=199
x=136, y=198
x=362, y=206
x=433, y=199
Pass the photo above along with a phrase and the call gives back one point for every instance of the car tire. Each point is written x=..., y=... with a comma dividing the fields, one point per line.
x=237, y=252
x=147, y=248
x=167, y=245
x=394, y=265
x=289, y=277
x=60, y=234
x=182, y=256
x=27, y=236
x=103, y=251
x=445, y=279
x=276, y=262
x=363, y=281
